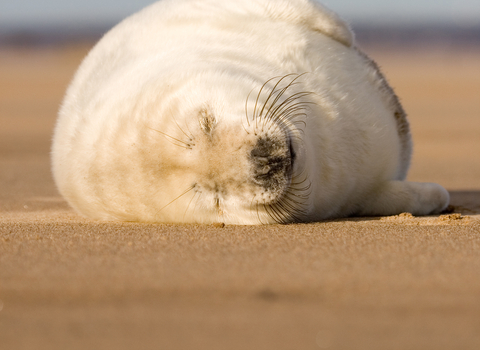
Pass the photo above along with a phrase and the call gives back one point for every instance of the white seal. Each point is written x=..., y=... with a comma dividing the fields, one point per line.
x=241, y=112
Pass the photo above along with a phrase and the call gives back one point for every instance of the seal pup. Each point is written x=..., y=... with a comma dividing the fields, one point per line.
x=239, y=112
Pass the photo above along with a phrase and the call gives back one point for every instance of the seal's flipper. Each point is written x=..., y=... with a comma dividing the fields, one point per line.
x=403, y=196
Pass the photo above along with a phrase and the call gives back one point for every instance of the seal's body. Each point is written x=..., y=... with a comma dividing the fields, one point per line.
x=242, y=112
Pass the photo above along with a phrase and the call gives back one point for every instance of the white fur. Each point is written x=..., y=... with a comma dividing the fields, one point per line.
x=154, y=72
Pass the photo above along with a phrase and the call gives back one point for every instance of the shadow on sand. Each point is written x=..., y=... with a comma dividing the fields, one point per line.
x=465, y=202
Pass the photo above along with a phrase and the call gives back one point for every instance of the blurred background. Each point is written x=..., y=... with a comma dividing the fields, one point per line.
x=53, y=21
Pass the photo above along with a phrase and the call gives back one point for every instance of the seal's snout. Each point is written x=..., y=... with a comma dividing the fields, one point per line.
x=271, y=163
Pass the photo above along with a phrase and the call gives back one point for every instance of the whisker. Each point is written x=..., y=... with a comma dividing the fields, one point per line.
x=303, y=122
x=289, y=117
x=258, y=214
x=273, y=213
x=246, y=108
x=298, y=208
x=196, y=202
x=272, y=93
x=188, y=206
x=294, y=115
x=256, y=209
x=258, y=97
x=292, y=213
x=269, y=115
x=184, y=193
x=244, y=128
x=294, y=204
x=287, y=103
x=295, y=107
x=300, y=182
x=298, y=192
x=280, y=93
x=289, y=194
x=190, y=137
x=183, y=144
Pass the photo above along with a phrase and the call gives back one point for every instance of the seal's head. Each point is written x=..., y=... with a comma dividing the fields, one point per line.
x=228, y=161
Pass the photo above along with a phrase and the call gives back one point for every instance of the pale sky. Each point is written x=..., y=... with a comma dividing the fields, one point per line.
x=22, y=13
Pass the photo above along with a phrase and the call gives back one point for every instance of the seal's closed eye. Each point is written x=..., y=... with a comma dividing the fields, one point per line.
x=207, y=122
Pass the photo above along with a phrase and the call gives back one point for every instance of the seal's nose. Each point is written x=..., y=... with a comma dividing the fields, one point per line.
x=271, y=163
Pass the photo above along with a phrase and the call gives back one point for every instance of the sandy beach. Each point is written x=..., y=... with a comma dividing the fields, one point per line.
x=398, y=282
